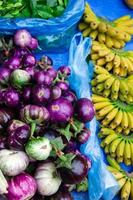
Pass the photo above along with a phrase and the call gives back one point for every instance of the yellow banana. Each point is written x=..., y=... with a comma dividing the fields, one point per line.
x=108, y=42
x=118, y=175
x=126, y=131
x=116, y=70
x=110, y=116
x=104, y=122
x=101, y=105
x=124, y=122
x=107, y=131
x=127, y=151
x=103, y=52
x=96, y=47
x=106, y=92
x=130, y=120
x=110, y=138
x=118, y=128
x=101, y=61
x=122, y=182
x=116, y=43
x=109, y=66
x=100, y=70
x=105, y=110
x=115, y=86
x=101, y=38
x=94, y=56
x=113, y=163
x=94, y=82
x=117, y=60
x=82, y=26
x=112, y=125
x=93, y=34
x=86, y=32
x=102, y=77
x=110, y=57
x=131, y=192
x=97, y=98
x=94, y=24
x=111, y=31
x=124, y=62
x=106, y=149
x=108, y=83
x=126, y=23
x=118, y=118
x=114, y=96
x=122, y=97
x=120, y=149
x=125, y=192
x=102, y=28
x=131, y=146
x=89, y=11
x=119, y=159
x=123, y=88
x=123, y=18
x=100, y=87
x=114, y=144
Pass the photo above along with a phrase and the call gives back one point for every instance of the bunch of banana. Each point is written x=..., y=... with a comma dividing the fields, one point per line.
x=119, y=62
x=124, y=179
x=114, y=34
x=114, y=114
x=116, y=145
x=114, y=87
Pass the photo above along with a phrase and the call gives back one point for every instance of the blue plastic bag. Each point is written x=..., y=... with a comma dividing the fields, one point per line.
x=55, y=33
x=101, y=182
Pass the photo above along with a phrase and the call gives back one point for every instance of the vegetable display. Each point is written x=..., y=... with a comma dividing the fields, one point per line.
x=112, y=91
x=42, y=125
x=35, y=9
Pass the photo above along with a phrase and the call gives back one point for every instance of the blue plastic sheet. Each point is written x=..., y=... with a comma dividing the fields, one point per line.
x=101, y=182
x=55, y=33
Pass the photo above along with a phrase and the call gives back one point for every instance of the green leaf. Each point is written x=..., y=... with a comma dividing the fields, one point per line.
x=65, y=161
x=26, y=12
x=58, y=143
x=58, y=11
x=82, y=186
x=61, y=3
x=65, y=3
x=51, y=3
x=77, y=126
x=66, y=132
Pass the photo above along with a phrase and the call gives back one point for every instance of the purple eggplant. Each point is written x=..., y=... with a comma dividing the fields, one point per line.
x=4, y=76
x=31, y=71
x=26, y=94
x=62, y=194
x=33, y=44
x=70, y=96
x=13, y=63
x=22, y=38
x=65, y=70
x=5, y=116
x=63, y=85
x=85, y=110
x=19, y=52
x=78, y=171
x=32, y=114
x=52, y=72
x=56, y=92
x=61, y=110
x=11, y=98
x=18, y=134
x=84, y=135
x=39, y=77
x=40, y=94
x=46, y=62
x=29, y=61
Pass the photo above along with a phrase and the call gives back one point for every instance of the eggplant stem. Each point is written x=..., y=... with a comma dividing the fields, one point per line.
x=33, y=127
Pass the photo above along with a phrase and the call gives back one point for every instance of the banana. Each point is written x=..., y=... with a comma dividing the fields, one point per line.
x=115, y=86
x=126, y=131
x=110, y=138
x=111, y=31
x=105, y=110
x=119, y=159
x=118, y=118
x=100, y=105
x=123, y=72
x=97, y=98
x=100, y=70
x=114, y=96
x=127, y=151
x=101, y=38
x=93, y=82
x=117, y=61
x=124, y=63
x=116, y=43
x=110, y=116
x=106, y=92
x=109, y=66
x=82, y=26
x=120, y=149
x=93, y=34
x=123, y=18
x=126, y=23
x=113, y=163
x=94, y=24
x=96, y=47
x=94, y=56
x=89, y=11
x=124, y=122
x=104, y=122
x=123, y=88
x=131, y=146
x=102, y=28
x=100, y=87
x=108, y=42
x=103, y=52
x=116, y=70
x=118, y=129
x=87, y=19
x=131, y=192
x=122, y=182
x=102, y=77
x=106, y=131
x=108, y=83
x=101, y=61
x=110, y=57
x=118, y=175
x=122, y=97
x=125, y=192
x=112, y=125
x=114, y=144
x=86, y=32
x=130, y=120
x=106, y=149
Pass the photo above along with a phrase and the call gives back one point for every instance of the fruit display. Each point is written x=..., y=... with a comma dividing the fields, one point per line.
x=114, y=114
x=119, y=62
x=124, y=178
x=114, y=34
x=117, y=145
x=42, y=125
x=112, y=86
